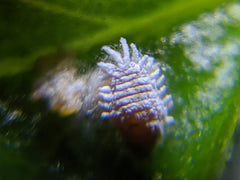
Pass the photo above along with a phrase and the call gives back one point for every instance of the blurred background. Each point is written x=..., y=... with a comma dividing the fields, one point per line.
x=50, y=127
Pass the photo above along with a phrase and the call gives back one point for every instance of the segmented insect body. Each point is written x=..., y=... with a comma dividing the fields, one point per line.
x=135, y=97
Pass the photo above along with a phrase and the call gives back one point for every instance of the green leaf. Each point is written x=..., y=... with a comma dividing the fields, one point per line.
x=201, y=59
x=33, y=28
x=205, y=84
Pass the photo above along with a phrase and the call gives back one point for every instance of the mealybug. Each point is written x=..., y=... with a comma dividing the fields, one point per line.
x=135, y=98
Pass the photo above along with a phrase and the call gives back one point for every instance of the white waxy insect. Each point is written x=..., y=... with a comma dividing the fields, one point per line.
x=135, y=98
